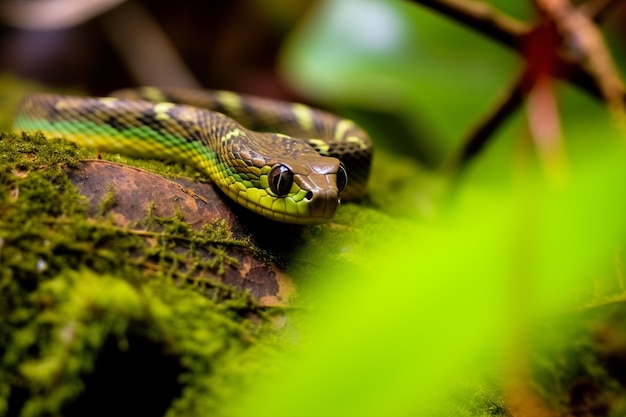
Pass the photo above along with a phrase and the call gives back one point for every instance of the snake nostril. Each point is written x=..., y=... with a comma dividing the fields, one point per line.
x=309, y=195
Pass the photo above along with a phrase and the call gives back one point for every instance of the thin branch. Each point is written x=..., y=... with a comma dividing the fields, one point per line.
x=482, y=18
x=512, y=33
x=600, y=10
x=584, y=41
x=580, y=56
x=143, y=45
x=484, y=130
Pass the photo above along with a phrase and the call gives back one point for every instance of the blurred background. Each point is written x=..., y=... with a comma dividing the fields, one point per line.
x=416, y=80
x=99, y=45
x=415, y=305
x=381, y=62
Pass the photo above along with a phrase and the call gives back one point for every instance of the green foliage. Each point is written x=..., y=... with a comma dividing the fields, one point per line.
x=428, y=305
x=439, y=285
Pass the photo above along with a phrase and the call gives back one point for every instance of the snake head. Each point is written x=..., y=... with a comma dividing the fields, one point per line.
x=284, y=179
x=306, y=191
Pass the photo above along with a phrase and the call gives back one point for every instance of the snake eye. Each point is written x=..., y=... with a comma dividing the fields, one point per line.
x=342, y=178
x=280, y=179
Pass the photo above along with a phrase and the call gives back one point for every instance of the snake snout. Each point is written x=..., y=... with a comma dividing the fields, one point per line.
x=322, y=195
x=323, y=203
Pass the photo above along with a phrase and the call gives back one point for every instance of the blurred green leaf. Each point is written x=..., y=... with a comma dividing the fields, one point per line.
x=430, y=305
x=424, y=305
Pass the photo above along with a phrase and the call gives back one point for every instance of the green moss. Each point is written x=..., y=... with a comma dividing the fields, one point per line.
x=107, y=202
x=71, y=284
x=578, y=360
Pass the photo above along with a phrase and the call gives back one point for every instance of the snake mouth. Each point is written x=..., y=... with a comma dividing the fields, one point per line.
x=315, y=208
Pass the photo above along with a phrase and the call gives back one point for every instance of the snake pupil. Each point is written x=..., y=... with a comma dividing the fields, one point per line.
x=280, y=180
x=342, y=178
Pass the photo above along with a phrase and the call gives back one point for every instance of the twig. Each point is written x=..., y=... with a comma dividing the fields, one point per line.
x=480, y=134
x=146, y=233
x=514, y=34
x=482, y=18
x=580, y=36
x=142, y=44
x=599, y=10
x=579, y=56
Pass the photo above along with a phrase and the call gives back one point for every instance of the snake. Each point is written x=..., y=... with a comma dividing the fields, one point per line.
x=288, y=162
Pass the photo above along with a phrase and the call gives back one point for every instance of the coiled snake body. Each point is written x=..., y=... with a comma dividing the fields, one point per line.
x=273, y=174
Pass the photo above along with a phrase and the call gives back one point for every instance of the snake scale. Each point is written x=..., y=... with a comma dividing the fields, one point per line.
x=290, y=163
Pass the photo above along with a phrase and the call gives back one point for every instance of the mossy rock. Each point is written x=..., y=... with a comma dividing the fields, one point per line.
x=95, y=309
x=132, y=288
